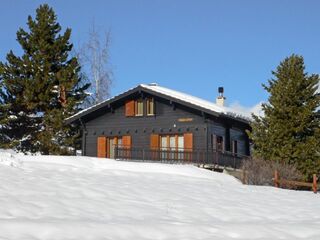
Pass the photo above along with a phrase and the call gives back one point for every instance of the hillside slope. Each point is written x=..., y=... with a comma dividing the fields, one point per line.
x=51, y=197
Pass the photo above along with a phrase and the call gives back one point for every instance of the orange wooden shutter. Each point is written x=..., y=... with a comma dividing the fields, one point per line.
x=188, y=141
x=188, y=146
x=126, y=141
x=154, y=146
x=108, y=147
x=102, y=147
x=129, y=108
x=154, y=141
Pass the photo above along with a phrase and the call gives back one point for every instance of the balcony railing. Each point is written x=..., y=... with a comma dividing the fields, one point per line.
x=182, y=156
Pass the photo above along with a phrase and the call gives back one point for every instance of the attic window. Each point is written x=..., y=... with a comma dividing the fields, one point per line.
x=150, y=106
x=139, y=107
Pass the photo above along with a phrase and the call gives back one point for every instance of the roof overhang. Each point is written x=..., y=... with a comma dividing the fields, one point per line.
x=139, y=89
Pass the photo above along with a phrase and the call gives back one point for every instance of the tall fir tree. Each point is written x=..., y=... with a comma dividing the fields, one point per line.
x=41, y=88
x=289, y=130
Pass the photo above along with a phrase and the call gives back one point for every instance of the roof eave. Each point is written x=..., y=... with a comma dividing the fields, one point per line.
x=101, y=105
x=155, y=93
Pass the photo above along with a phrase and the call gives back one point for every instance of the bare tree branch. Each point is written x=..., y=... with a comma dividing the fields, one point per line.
x=94, y=57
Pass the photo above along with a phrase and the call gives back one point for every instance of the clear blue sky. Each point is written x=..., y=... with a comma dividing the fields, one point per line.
x=187, y=45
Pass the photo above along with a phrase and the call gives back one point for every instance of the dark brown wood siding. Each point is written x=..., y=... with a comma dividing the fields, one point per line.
x=169, y=118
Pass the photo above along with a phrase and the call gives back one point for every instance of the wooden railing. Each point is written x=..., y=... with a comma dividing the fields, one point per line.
x=279, y=182
x=184, y=156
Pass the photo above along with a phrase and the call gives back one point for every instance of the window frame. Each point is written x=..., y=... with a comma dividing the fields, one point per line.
x=136, y=108
x=171, y=152
x=219, y=145
x=148, y=102
x=234, y=147
x=167, y=136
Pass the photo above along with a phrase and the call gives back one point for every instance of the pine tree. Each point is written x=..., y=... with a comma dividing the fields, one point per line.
x=32, y=111
x=289, y=130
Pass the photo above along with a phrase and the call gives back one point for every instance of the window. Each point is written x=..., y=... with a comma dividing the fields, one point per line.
x=113, y=142
x=172, y=142
x=123, y=142
x=164, y=146
x=172, y=146
x=112, y=145
x=106, y=146
x=219, y=146
x=235, y=147
x=180, y=143
x=136, y=107
x=217, y=143
x=180, y=147
x=139, y=107
x=150, y=106
x=120, y=141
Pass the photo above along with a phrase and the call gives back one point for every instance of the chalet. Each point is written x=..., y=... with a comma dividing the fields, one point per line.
x=158, y=122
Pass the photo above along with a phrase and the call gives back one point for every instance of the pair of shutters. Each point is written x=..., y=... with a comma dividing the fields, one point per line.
x=131, y=105
x=188, y=141
x=103, y=143
x=103, y=148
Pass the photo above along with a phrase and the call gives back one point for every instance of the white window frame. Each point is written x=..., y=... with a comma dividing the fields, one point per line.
x=137, y=102
x=150, y=101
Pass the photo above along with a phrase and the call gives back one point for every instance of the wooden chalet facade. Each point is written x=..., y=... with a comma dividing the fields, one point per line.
x=150, y=117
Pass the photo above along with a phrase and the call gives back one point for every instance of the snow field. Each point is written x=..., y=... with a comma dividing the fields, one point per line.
x=55, y=197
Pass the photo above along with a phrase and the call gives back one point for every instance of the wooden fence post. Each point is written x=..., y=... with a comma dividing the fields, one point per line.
x=244, y=177
x=276, y=178
x=314, y=184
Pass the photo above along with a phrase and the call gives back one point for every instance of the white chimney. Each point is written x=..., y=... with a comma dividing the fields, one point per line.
x=220, y=99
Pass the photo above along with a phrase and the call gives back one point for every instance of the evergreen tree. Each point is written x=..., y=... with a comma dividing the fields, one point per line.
x=41, y=88
x=289, y=130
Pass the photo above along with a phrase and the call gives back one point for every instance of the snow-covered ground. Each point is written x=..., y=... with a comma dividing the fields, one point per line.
x=50, y=197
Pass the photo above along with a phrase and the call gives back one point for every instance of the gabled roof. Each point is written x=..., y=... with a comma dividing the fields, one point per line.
x=175, y=96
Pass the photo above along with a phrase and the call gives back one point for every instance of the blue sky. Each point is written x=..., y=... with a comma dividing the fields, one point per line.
x=191, y=46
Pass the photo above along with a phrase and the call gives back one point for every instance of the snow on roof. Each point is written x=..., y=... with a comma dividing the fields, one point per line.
x=211, y=106
x=97, y=105
x=185, y=97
